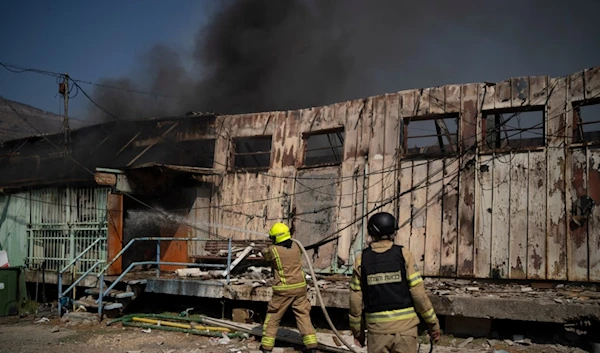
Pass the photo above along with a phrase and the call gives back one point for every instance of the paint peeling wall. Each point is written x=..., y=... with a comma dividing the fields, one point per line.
x=503, y=213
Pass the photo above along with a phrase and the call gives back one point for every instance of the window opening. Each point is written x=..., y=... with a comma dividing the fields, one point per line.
x=324, y=148
x=514, y=129
x=437, y=135
x=586, y=121
x=252, y=152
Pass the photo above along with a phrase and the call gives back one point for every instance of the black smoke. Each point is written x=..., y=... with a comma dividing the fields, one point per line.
x=261, y=55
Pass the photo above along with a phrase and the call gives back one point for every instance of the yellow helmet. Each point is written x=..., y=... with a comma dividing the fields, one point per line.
x=279, y=232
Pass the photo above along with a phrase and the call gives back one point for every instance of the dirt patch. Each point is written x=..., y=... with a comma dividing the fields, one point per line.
x=25, y=336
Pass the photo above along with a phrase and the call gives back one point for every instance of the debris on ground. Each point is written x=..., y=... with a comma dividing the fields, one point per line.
x=24, y=336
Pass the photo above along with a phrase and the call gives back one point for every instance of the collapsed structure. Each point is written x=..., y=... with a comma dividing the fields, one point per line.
x=488, y=180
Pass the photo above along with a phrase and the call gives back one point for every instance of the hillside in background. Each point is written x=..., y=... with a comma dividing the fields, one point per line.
x=13, y=124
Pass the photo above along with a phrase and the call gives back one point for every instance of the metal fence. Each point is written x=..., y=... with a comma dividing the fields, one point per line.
x=63, y=223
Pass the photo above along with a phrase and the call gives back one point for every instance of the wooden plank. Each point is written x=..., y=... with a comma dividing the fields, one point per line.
x=405, y=205
x=422, y=102
x=536, y=225
x=592, y=83
x=577, y=241
x=500, y=215
x=488, y=96
x=199, y=214
x=503, y=94
x=556, y=185
x=519, y=212
x=471, y=95
x=433, y=237
x=418, y=214
x=453, y=95
x=483, y=222
x=577, y=87
x=437, y=100
x=365, y=119
x=519, y=91
x=594, y=222
x=347, y=197
x=450, y=218
x=375, y=160
x=390, y=153
x=115, y=232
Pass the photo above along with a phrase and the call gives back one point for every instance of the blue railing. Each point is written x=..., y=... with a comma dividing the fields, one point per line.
x=103, y=293
x=62, y=293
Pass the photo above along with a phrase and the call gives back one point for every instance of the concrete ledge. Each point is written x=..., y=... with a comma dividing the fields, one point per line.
x=519, y=308
x=523, y=309
x=192, y=288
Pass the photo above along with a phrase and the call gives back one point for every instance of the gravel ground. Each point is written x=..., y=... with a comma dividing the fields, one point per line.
x=25, y=336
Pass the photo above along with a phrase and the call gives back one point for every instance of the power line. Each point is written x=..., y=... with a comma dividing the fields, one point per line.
x=18, y=69
x=473, y=148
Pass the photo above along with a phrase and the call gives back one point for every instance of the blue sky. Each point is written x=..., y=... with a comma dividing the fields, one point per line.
x=88, y=39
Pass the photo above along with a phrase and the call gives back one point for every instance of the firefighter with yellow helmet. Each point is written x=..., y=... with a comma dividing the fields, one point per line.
x=289, y=289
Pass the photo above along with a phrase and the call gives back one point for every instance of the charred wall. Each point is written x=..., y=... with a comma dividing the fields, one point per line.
x=488, y=193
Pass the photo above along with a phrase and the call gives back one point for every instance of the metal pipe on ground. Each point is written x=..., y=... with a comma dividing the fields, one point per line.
x=186, y=326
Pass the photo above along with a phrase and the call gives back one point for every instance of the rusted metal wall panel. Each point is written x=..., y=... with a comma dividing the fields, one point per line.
x=433, y=236
x=114, y=241
x=556, y=216
x=577, y=242
x=418, y=213
x=536, y=217
x=316, y=211
x=594, y=219
x=500, y=215
x=519, y=184
x=483, y=216
x=469, y=131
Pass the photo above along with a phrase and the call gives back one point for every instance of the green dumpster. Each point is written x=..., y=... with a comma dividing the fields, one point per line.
x=9, y=291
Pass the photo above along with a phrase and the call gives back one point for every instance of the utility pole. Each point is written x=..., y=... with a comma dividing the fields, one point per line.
x=63, y=89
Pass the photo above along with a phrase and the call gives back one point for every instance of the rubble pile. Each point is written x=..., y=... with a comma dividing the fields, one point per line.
x=559, y=293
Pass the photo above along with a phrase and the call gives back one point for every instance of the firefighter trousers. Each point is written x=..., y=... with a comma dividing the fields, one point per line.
x=401, y=342
x=275, y=311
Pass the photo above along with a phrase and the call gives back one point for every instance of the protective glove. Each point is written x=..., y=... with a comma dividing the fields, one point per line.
x=359, y=339
x=435, y=332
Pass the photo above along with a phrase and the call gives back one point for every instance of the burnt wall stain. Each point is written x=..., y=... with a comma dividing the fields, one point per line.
x=517, y=270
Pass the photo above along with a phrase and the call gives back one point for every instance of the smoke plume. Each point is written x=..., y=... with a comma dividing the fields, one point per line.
x=261, y=55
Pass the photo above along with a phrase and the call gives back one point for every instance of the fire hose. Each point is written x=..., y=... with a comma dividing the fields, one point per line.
x=322, y=305
x=321, y=302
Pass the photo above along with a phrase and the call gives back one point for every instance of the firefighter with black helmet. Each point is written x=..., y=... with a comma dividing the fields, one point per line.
x=387, y=286
x=289, y=289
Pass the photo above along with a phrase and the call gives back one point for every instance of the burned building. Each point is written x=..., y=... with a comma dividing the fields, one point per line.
x=488, y=181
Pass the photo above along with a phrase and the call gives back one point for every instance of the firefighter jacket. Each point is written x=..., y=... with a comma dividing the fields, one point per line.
x=286, y=262
x=396, y=293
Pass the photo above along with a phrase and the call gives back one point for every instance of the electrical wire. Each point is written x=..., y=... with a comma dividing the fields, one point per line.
x=391, y=200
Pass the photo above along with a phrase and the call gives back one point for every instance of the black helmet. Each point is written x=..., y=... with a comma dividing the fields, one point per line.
x=382, y=225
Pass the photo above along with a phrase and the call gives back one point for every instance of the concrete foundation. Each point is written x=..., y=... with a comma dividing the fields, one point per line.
x=518, y=308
